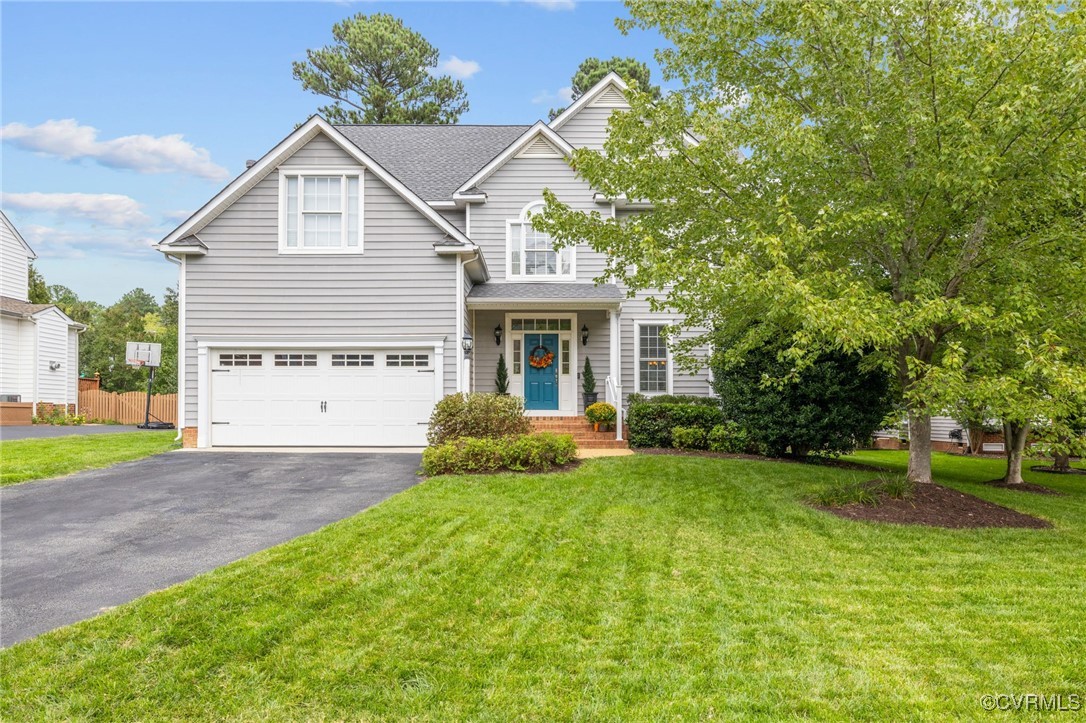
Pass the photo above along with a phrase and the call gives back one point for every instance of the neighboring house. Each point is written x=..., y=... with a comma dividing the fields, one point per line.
x=328, y=293
x=39, y=344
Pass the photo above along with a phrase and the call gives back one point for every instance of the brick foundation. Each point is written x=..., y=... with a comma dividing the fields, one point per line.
x=889, y=443
x=46, y=409
x=188, y=437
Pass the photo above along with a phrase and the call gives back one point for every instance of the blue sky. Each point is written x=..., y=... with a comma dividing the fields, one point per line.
x=121, y=118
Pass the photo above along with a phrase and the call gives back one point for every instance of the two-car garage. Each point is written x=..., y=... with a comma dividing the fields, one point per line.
x=326, y=397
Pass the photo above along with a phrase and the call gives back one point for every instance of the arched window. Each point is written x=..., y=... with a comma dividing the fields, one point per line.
x=531, y=251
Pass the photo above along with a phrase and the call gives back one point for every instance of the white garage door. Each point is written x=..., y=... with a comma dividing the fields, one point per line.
x=333, y=398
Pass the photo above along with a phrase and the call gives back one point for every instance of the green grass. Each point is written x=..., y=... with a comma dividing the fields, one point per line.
x=636, y=588
x=22, y=460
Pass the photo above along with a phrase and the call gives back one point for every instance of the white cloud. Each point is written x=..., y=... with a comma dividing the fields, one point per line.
x=49, y=242
x=563, y=96
x=71, y=141
x=110, y=209
x=553, y=4
x=177, y=215
x=457, y=68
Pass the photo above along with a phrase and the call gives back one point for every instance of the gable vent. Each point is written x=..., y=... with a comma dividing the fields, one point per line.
x=611, y=98
x=540, y=148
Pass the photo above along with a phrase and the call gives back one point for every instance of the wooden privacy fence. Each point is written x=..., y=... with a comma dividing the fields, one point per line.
x=126, y=407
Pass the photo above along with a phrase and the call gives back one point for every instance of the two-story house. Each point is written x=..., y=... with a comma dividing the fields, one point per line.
x=39, y=343
x=354, y=275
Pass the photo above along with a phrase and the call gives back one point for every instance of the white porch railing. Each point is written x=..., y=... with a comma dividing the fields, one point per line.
x=613, y=396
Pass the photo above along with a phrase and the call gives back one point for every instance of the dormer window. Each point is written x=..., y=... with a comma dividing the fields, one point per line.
x=320, y=212
x=531, y=253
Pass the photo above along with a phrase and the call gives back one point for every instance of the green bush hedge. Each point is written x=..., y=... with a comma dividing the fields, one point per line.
x=650, y=423
x=529, y=453
x=490, y=416
x=730, y=438
x=637, y=398
x=688, y=437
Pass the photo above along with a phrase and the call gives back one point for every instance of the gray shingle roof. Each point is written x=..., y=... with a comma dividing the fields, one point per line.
x=546, y=290
x=432, y=160
x=23, y=308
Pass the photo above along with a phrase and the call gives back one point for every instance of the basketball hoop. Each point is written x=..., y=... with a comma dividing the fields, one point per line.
x=142, y=354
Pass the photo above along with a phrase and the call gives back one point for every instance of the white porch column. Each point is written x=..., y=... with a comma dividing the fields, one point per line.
x=616, y=366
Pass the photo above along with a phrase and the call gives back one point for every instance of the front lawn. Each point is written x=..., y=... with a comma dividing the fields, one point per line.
x=27, y=459
x=632, y=588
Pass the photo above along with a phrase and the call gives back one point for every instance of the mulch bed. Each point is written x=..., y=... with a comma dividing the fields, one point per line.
x=1023, y=487
x=816, y=461
x=937, y=506
x=1053, y=470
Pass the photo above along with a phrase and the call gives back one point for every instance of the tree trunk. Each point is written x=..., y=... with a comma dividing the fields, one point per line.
x=976, y=438
x=920, y=448
x=1014, y=442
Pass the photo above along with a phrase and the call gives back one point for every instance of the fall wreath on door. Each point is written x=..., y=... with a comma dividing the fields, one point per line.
x=541, y=357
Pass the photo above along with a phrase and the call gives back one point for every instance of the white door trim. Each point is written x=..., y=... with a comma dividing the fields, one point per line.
x=567, y=402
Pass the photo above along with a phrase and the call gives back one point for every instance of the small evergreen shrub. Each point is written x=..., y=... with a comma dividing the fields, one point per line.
x=501, y=377
x=588, y=378
x=651, y=423
x=601, y=413
x=864, y=493
x=729, y=438
x=688, y=438
x=477, y=415
x=530, y=452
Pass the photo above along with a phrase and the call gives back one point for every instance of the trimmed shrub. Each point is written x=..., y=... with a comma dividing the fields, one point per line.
x=601, y=413
x=729, y=438
x=651, y=423
x=529, y=452
x=688, y=437
x=490, y=416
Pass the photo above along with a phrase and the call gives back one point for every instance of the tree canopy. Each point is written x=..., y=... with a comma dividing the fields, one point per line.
x=903, y=180
x=592, y=71
x=380, y=71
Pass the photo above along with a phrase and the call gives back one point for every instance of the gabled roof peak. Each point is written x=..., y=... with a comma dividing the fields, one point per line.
x=611, y=80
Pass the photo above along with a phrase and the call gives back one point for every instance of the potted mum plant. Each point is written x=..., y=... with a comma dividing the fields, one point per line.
x=588, y=384
x=602, y=416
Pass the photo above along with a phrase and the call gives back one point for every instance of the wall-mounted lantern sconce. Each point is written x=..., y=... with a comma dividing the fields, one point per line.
x=467, y=343
x=498, y=334
x=584, y=334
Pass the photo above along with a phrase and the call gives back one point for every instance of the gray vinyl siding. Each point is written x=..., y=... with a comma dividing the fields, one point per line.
x=455, y=217
x=14, y=265
x=587, y=129
x=515, y=185
x=244, y=288
x=484, y=363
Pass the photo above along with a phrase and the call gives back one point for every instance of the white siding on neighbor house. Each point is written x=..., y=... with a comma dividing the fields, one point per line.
x=16, y=338
x=72, y=370
x=244, y=288
x=14, y=262
x=53, y=384
x=512, y=187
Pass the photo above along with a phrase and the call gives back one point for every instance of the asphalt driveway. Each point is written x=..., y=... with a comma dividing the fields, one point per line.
x=74, y=546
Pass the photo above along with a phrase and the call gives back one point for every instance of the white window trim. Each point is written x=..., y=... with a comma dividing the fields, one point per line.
x=637, y=357
x=519, y=222
x=300, y=173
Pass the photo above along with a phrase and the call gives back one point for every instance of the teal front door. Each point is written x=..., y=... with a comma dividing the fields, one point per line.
x=541, y=382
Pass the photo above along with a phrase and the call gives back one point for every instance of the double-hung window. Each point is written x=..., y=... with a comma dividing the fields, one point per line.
x=320, y=212
x=653, y=376
x=531, y=252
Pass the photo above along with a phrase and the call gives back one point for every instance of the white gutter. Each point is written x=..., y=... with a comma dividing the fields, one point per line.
x=180, y=343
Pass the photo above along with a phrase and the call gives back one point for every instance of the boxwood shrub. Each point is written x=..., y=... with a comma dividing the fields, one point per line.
x=530, y=453
x=688, y=437
x=650, y=423
x=493, y=416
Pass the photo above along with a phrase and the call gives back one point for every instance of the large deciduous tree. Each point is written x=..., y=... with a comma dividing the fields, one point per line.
x=593, y=70
x=380, y=71
x=864, y=173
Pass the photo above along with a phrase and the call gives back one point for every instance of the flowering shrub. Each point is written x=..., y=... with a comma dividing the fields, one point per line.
x=601, y=413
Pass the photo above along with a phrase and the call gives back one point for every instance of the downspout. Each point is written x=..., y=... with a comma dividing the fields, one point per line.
x=459, y=322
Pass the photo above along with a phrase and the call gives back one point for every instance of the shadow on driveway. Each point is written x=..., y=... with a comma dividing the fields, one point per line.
x=76, y=545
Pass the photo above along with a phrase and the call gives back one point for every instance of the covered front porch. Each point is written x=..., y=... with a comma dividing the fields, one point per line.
x=546, y=332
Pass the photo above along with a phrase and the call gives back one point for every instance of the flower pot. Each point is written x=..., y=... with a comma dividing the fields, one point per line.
x=596, y=426
x=590, y=398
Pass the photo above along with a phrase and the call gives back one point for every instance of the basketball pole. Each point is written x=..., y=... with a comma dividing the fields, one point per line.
x=147, y=410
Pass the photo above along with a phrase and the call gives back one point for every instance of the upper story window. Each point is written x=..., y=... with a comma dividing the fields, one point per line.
x=531, y=253
x=320, y=212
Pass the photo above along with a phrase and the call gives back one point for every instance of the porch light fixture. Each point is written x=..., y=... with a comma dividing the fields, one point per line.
x=498, y=334
x=467, y=343
x=584, y=334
